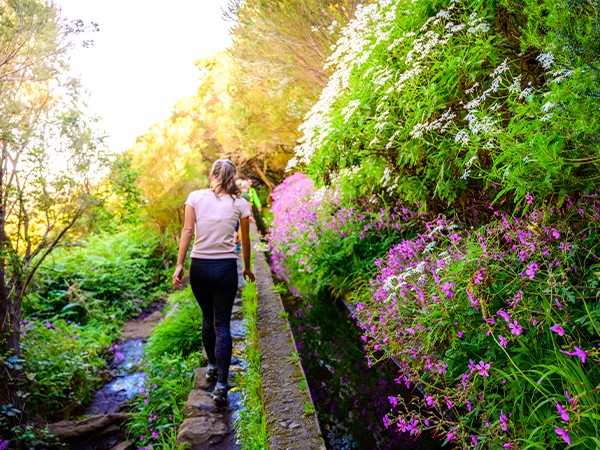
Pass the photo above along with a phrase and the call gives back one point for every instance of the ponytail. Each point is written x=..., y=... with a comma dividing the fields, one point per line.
x=224, y=172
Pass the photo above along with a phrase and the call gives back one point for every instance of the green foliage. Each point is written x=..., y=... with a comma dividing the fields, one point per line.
x=111, y=276
x=172, y=354
x=158, y=410
x=447, y=98
x=250, y=426
x=181, y=330
x=62, y=362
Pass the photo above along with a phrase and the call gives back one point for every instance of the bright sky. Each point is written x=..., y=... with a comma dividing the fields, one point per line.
x=142, y=60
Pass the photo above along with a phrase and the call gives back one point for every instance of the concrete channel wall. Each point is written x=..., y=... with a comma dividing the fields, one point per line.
x=290, y=423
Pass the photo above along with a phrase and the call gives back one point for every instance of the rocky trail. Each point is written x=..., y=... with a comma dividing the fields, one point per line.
x=290, y=424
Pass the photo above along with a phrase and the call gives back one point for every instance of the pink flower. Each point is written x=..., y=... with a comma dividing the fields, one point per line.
x=504, y=315
x=482, y=368
x=507, y=445
x=460, y=334
x=531, y=270
x=474, y=439
x=563, y=434
x=558, y=329
x=515, y=328
x=578, y=352
x=502, y=340
x=563, y=414
x=504, y=423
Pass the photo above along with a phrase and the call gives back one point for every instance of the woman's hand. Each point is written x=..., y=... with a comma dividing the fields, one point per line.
x=177, y=277
x=248, y=275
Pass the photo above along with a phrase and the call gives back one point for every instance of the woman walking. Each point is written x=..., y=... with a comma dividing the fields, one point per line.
x=212, y=215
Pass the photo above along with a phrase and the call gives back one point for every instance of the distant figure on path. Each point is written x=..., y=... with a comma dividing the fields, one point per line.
x=254, y=200
x=211, y=215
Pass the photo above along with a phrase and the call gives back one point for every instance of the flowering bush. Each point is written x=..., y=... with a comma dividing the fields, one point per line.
x=444, y=97
x=497, y=327
x=327, y=235
x=482, y=116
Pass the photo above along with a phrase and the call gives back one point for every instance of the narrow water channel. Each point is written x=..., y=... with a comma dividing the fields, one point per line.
x=351, y=398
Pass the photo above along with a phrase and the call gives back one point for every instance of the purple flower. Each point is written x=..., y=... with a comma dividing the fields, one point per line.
x=49, y=324
x=563, y=414
x=460, y=334
x=515, y=328
x=503, y=422
x=474, y=439
x=578, y=352
x=450, y=436
x=504, y=315
x=429, y=400
x=3, y=444
x=558, y=329
x=563, y=434
x=507, y=445
x=393, y=400
x=531, y=270
x=502, y=340
x=482, y=368
x=119, y=356
x=447, y=289
x=569, y=397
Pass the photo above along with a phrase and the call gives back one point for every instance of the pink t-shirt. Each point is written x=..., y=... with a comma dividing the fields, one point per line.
x=216, y=217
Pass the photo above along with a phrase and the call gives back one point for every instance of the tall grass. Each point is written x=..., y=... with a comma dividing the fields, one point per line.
x=250, y=427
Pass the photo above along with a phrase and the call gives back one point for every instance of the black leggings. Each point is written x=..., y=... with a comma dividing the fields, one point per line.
x=214, y=284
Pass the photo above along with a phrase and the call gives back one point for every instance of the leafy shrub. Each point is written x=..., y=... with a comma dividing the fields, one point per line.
x=497, y=326
x=320, y=241
x=111, y=275
x=181, y=330
x=443, y=98
x=62, y=362
x=158, y=409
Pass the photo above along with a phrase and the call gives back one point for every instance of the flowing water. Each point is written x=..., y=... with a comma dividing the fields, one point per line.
x=350, y=397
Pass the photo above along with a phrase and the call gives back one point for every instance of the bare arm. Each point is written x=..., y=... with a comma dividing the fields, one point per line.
x=187, y=232
x=245, y=239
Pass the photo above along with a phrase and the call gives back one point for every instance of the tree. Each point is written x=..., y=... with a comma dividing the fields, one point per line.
x=279, y=51
x=49, y=159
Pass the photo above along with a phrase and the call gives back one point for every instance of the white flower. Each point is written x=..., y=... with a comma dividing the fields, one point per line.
x=547, y=106
x=462, y=136
x=546, y=60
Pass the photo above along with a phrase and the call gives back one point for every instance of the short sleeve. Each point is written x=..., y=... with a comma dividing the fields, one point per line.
x=190, y=200
x=245, y=210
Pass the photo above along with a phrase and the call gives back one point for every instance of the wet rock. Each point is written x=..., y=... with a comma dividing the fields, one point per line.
x=123, y=446
x=199, y=403
x=142, y=329
x=198, y=430
x=201, y=382
x=94, y=425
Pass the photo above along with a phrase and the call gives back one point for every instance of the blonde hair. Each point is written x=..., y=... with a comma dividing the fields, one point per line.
x=224, y=172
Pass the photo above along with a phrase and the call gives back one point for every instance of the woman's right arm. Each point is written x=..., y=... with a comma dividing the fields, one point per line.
x=187, y=232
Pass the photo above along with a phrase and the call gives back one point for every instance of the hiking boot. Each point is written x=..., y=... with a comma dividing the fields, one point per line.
x=219, y=394
x=211, y=372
